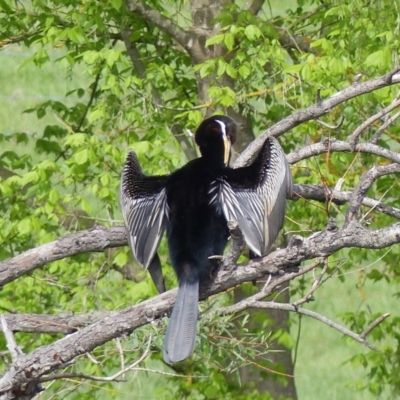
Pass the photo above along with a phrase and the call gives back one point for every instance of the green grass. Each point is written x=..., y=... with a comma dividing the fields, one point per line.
x=26, y=87
x=321, y=370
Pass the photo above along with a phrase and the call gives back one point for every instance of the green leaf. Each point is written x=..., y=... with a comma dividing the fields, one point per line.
x=25, y=226
x=30, y=177
x=75, y=139
x=244, y=71
x=169, y=72
x=116, y=4
x=95, y=115
x=91, y=56
x=252, y=32
x=215, y=40
x=221, y=67
x=229, y=41
x=81, y=157
x=121, y=258
x=232, y=72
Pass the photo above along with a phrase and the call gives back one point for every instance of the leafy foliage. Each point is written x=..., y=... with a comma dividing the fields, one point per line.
x=143, y=93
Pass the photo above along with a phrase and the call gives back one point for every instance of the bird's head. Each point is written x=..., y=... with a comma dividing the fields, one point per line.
x=215, y=137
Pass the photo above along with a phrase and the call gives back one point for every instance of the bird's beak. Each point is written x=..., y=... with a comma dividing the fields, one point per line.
x=227, y=150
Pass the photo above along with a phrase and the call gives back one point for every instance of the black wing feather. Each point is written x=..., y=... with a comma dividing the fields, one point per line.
x=255, y=196
x=144, y=209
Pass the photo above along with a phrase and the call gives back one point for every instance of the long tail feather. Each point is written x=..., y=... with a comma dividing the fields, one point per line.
x=181, y=332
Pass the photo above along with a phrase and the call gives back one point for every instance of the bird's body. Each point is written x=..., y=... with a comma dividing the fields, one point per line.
x=196, y=230
x=193, y=205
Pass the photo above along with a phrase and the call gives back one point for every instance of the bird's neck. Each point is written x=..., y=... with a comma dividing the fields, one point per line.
x=213, y=156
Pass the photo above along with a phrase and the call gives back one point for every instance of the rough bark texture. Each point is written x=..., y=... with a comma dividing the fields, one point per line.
x=28, y=369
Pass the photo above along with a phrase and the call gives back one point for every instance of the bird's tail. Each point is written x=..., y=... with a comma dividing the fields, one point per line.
x=181, y=332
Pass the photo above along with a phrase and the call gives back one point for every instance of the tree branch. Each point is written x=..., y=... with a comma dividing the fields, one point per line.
x=62, y=323
x=326, y=194
x=96, y=239
x=290, y=307
x=384, y=126
x=354, y=136
x=333, y=145
x=366, y=180
x=316, y=111
x=30, y=367
x=255, y=6
x=160, y=21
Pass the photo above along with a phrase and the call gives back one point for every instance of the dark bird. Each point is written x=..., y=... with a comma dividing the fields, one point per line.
x=194, y=204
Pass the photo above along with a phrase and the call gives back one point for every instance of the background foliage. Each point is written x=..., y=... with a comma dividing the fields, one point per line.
x=83, y=82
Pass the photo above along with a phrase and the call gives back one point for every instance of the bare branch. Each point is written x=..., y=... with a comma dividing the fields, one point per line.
x=384, y=126
x=326, y=194
x=373, y=325
x=237, y=244
x=30, y=388
x=315, y=111
x=63, y=323
x=30, y=367
x=366, y=180
x=160, y=21
x=333, y=145
x=354, y=136
x=93, y=240
x=12, y=346
x=102, y=378
x=290, y=307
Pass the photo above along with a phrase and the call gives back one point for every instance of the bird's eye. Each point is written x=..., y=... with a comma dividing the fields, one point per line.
x=216, y=130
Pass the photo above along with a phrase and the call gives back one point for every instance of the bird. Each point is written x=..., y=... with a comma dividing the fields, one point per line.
x=193, y=205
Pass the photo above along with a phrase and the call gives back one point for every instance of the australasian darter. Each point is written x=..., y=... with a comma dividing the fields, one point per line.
x=193, y=204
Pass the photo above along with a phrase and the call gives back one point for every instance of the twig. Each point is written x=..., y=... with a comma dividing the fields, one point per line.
x=337, y=126
x=12, y=346
x=101, y=378
x=121, y=353
x=354, y=136
x=380, y=130
x=319, y=317
x=373, y=325
x=315, y=111
x=366, y=180
x=322, y=193
x=316, y=284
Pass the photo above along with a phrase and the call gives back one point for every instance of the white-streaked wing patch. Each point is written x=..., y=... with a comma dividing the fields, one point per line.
x=259, y=211
x=144, y=209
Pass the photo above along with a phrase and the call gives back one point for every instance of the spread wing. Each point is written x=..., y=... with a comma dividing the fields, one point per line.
x=255, y=196
x=144, y=209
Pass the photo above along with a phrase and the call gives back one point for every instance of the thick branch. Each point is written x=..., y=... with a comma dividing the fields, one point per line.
x=333, y=145
x=97, y=239
x=326, y=194
x=48, y=358
x=254, y=6
x=160, y=21
x=316, y=111
x=63, y=323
